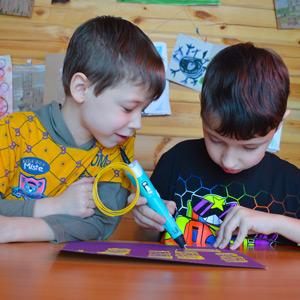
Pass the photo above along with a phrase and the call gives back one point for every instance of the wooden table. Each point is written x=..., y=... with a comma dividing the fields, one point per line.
x=39, y=271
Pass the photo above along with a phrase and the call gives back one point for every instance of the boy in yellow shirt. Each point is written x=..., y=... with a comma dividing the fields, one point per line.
x=49, y=158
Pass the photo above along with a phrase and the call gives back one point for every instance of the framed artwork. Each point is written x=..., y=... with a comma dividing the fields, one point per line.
x=287, y=14
x=16, y=7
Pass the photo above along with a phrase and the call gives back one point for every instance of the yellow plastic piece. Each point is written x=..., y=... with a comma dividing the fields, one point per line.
x=107, y=211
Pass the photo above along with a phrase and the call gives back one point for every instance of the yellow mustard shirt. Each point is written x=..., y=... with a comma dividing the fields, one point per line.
x=33, y=166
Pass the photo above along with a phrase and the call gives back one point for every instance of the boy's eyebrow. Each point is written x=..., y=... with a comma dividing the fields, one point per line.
x=247, y=143
x=259, y=140
x=211, y=132
x=254, y=143
x=134, y=100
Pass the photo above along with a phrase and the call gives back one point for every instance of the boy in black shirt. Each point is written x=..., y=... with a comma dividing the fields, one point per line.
x=227, y=184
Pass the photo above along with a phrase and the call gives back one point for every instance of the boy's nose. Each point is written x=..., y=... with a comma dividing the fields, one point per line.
x=229, y=160
x=136, y=121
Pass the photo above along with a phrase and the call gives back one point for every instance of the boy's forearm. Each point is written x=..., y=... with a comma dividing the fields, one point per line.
x=22, y=229
x=16, y=208
x=288, y=227
x=45, y=207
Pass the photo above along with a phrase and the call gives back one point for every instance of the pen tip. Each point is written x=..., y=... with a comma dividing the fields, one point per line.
x=180, y=241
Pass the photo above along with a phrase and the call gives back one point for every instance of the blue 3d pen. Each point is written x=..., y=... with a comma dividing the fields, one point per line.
x=153, y=199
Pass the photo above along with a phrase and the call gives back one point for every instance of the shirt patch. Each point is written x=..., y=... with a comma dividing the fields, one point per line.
x=33, y=165
x=30, y=188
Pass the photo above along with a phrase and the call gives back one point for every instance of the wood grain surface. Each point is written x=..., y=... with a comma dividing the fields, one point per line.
x=38, y=271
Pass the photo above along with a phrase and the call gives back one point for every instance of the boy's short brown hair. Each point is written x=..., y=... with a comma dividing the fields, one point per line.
x=246, y=88
x=109, y=50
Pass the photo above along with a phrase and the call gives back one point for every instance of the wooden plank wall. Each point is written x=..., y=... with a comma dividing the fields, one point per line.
x=50, y=27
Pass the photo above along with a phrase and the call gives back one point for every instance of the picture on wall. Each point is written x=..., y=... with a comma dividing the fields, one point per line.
x=287, y=14
x=189, y=60
x=16, y=7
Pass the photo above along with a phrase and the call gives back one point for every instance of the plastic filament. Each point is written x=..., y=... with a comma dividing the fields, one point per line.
x=98, y=202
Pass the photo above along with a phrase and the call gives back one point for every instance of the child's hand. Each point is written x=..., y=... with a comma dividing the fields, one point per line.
x=147, y=217
x=76, y=200
x=243, y=221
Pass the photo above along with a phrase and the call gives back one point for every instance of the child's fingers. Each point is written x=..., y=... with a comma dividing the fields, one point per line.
x=149, y=213
x=130, y=198
x=219, y=238
x=243, y=231
x=91, y=204
x=171, y=205
x=234, y=210
x=147, y=224
x=147, y=217
x=220, y=233
x=88, y=213
x=228, y=229
x=141, y=200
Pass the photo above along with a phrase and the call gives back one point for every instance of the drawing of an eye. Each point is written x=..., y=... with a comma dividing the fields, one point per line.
x=191, y=66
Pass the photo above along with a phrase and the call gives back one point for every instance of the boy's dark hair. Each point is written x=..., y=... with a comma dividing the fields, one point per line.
x=109, y=50
x=246, y=88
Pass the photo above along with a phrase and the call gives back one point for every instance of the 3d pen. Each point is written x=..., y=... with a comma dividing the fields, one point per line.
x=154, y=201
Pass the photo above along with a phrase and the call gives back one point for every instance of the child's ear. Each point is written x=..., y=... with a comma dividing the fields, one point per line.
x=79, y=87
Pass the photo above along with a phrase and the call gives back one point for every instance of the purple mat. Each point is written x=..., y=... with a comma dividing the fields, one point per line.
x=201, y=256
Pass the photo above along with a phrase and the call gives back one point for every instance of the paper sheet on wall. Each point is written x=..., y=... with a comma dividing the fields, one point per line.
x=274, y=145
x=6, y=96
x=189, y=60
x=53, y=83
x=28, y=87
x=161, y=106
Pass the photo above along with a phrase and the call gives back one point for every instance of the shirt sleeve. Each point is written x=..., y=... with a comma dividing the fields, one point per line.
x=97, y=227
x=16, y=208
